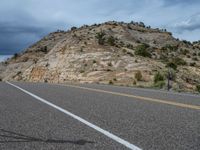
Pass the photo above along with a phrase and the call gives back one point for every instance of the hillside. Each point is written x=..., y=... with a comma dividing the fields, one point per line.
x=112, y=53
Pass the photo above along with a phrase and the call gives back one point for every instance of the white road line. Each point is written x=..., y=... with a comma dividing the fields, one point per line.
x=106, y=133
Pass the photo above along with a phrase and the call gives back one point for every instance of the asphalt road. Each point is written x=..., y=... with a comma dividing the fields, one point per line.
x=146, y=119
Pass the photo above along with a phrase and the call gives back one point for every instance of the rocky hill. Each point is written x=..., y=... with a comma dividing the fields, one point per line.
x=112, y=53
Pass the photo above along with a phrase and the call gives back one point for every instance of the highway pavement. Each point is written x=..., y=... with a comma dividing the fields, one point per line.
x=43, y=116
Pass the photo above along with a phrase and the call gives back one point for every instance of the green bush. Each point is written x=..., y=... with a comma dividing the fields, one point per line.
x=179, y=61
x=141, y=50
x=171, y=65
x=159, y=84
x=111, y=41
x=158, y=77
x=169, y=47
x=100, y=37
x=138, y=76
x=175, y=62
x=198, y=88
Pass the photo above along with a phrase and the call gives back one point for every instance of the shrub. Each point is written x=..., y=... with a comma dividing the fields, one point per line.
x=0, y=79
x=129, y=46
x=188, y=56
x=142, y=50
x=44, y=49
x=194, y=54
x=111, y=41
x=169, y=47
x=82, y=71
x=160, y=84
x=158, y=77
x=138, y=76
x=15, y=55
x=19, y=72
x=195, y=58
x=100, y=38
x=192, y=64
x=198, y=88
x=108, y=70
x=94, y=61
x=131, y=54
x=185, y=52
x=110, y=82
x=138, y=41
x=73, y=28
x=186, y=42
x=175, y=62
x=179, y=61
x=110, y=64
x=171, y=65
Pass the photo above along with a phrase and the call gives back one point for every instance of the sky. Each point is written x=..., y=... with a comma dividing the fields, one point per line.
x=4, y=57
x=23, y=22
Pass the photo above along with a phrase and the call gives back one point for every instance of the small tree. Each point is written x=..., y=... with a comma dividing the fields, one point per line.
x=111, y=41
x=179, y=61
x=100, y=37
x=142, y=50
x=16, y=55
x=159, y=80
x=158, y=77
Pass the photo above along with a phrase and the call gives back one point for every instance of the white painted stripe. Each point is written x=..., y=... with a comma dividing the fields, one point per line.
x=108, y=134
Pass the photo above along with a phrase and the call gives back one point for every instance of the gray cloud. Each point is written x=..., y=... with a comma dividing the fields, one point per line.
x=190, y=24
x=22, y=22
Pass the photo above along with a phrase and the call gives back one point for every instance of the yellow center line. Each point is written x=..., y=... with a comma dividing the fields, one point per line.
x=196, y=107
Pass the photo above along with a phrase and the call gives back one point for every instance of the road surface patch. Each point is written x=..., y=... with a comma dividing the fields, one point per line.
x=196, y=107
x=106, y=133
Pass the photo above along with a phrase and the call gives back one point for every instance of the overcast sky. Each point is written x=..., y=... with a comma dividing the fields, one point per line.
x=23, y=22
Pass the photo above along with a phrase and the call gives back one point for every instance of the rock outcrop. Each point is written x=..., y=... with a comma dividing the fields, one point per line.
x=111, y=53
